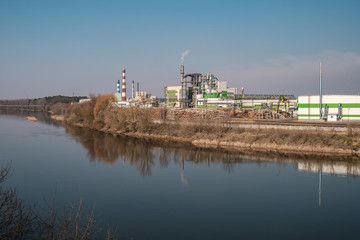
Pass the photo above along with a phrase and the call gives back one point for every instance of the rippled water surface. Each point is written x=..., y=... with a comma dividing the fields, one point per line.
x=164, y=191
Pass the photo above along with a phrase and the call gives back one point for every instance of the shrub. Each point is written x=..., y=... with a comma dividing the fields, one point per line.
x=18, y=221
x=102, y=106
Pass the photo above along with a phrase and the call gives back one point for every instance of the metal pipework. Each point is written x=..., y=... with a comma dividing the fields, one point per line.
x=183, y=83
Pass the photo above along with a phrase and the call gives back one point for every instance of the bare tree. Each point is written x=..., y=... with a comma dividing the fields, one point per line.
x=16, y=219
x=19, y=221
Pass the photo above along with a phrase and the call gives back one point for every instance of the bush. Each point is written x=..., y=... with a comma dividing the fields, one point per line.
x=132, y=119
x=81, y=112
x=102, y=107
x=58, y=108
x=18, y=221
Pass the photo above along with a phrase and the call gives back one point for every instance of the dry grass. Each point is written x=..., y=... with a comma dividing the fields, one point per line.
x=100, y=114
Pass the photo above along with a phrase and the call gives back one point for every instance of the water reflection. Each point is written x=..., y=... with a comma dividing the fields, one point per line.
x=333, y=168
x=285, y=187
x=145, y=154
x=338, y=168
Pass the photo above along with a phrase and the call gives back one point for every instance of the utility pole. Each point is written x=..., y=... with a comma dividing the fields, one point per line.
x=320, y=94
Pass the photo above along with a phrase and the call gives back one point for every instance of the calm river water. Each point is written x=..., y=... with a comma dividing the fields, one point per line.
x=149, y=191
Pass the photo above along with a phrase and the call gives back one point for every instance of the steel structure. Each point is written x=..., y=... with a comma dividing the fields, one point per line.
x=193, y=84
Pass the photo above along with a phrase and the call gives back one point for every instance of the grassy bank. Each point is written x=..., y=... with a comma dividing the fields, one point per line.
x=100, y=114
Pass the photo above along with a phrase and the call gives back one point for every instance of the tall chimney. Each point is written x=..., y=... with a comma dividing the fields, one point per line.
x=133, y=90
x=123, y=94
x=138, y=88
x=183, y=84
x=118, y=87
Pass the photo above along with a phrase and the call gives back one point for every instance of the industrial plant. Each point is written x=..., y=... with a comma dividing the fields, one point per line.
x=204, y=90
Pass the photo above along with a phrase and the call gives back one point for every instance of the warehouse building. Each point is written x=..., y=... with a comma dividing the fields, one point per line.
x=333, y=107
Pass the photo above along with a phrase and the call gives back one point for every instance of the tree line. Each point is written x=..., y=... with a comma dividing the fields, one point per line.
x=50, y=100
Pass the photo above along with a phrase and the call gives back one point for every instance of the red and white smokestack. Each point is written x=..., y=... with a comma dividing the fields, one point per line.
x=123, y=93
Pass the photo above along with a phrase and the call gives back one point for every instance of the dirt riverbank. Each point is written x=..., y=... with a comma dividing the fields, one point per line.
x=207, y=128
x=312, y=143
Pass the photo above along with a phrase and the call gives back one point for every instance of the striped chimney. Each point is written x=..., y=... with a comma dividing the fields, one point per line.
x=118, y=87
x=123, y=94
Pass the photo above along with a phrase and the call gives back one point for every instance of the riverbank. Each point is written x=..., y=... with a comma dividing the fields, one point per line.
x=249, y=140
x=101, y=115
x=253, y=143
x=58, y=117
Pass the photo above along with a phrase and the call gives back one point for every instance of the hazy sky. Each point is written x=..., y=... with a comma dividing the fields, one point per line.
x=266, y=46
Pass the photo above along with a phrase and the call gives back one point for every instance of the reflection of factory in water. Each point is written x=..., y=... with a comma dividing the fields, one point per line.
x=332, y=168
x=110, y=149
x=144, y=156
x=338, y=168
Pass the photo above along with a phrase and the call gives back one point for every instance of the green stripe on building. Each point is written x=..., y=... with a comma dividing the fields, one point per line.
x=211, y=95
x=317, y=115
x=346, y=116
x=330, y=105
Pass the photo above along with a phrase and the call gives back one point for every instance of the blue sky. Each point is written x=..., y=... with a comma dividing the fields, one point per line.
x=60, y=47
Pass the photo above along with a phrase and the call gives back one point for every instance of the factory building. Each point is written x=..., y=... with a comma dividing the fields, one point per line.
x=333, y=107
x=172, y=96
x=287, y=103
x=219, y=96
x=197, y=89
x=207, y=91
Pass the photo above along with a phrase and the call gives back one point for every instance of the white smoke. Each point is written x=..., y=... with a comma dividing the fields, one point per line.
x=183, y=55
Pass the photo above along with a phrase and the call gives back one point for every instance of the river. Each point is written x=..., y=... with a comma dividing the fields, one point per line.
x=150, y=190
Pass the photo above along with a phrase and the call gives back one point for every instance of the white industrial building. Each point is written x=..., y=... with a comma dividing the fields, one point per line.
x=334, y=107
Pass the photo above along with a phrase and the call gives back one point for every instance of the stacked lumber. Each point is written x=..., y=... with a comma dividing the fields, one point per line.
x=194, y=114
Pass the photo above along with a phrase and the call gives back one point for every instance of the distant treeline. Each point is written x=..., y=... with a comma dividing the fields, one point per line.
x=43, y=101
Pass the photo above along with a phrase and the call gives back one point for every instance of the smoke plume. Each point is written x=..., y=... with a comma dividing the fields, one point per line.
x=183, y=55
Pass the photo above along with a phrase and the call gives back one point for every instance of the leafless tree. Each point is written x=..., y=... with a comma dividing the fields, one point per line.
x=19, y=221
x=16, y=219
